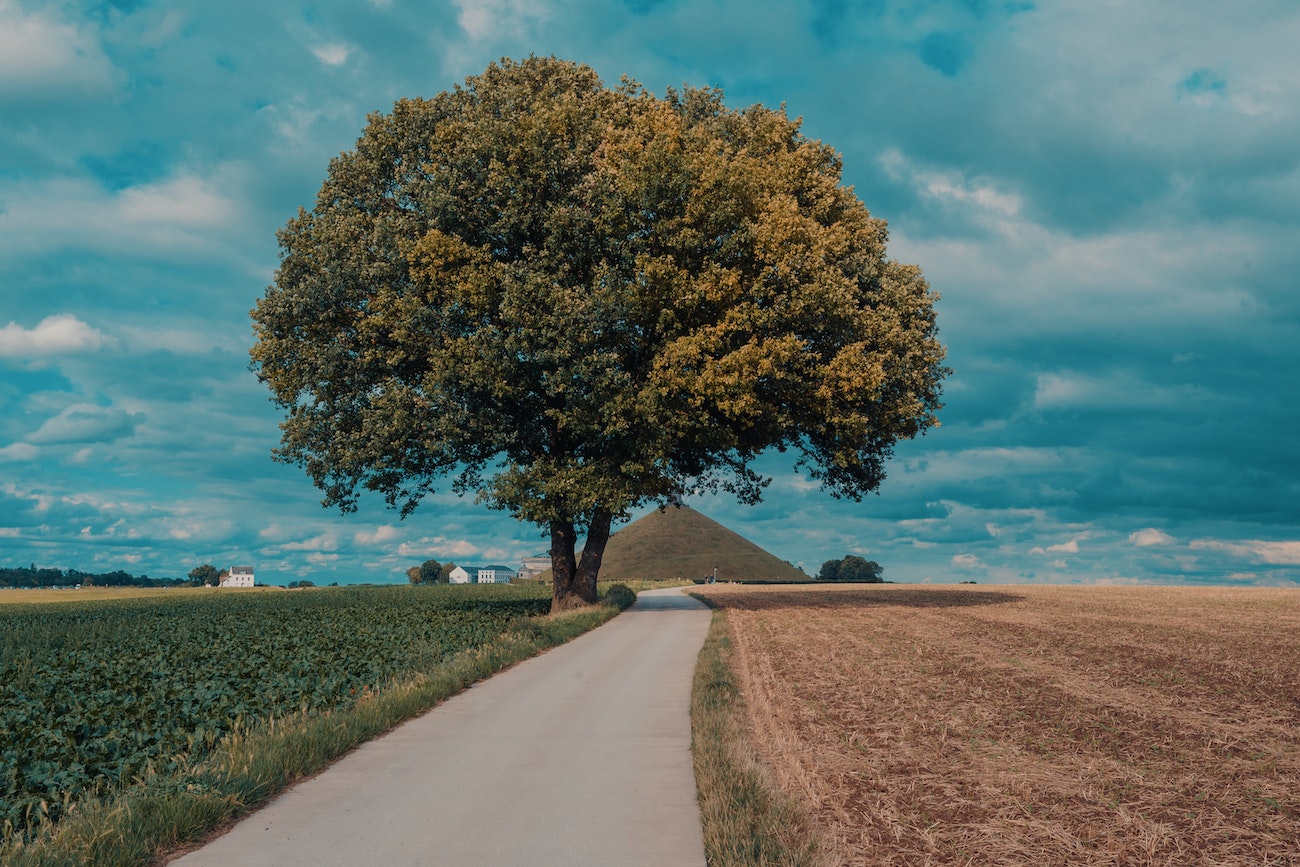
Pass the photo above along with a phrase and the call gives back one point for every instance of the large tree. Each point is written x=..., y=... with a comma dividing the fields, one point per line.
x=203, y=575
x=573, y=301
x=851, y=568
x=428, y=572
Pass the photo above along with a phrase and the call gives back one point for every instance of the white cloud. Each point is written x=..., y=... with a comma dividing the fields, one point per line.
x=966, y=561
x=940, y=470
x=1150, y=537
x=53, y=335
x=104, y=506
x=439, y=547
x=1276, y=553
x=333, y=54
x=175, y=216
x=185, y=200
x=1070, y=547
x=459, y=548
x=324, y=542
x=1043, y=280
x=979, y=197
x=41, y=502
x=40, y=54
x=481, y=19
x=86, y=423
x=185, y=529
x=19, y=452
x=299, y=123
x=1075, y=390
x=385, y=533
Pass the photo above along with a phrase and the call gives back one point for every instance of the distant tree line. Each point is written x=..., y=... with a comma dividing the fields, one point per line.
x=430, y=572
x=30, y=576
x=851, y=568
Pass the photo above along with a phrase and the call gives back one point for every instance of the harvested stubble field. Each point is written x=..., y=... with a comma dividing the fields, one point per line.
x=1029, y=725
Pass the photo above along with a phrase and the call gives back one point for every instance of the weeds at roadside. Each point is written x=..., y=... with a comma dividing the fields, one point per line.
x=746, y=820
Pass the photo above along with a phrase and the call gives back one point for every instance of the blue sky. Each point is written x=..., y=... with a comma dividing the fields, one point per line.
x=1106, y=195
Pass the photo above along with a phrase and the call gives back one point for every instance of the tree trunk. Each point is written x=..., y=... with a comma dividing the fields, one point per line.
x=564, y=565
x=593, y=553
x=574, y=580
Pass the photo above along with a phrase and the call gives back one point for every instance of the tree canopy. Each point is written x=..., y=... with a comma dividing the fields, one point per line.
x=204, y=574
x=573, y=300
x=851, y=568
x=428, y=572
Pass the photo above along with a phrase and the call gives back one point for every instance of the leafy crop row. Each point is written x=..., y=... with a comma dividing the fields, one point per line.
x=94, y=695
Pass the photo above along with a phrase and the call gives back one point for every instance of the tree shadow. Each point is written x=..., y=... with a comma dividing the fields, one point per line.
x=861, y=596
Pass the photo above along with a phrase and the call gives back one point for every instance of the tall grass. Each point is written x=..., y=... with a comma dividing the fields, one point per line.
x=746, y=820
x=137, y=824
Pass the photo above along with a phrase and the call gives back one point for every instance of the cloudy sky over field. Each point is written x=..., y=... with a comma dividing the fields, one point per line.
x=1106, y=195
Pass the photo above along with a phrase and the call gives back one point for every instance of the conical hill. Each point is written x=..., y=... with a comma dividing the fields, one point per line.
x=679, y=542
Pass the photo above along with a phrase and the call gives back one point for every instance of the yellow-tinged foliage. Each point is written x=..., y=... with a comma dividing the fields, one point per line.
x=574, y=301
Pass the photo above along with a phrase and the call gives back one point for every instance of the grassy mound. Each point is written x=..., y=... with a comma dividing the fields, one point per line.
x=681, y=543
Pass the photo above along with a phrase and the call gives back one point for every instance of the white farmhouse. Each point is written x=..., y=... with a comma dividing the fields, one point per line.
x=238, y=576
x=480, y=575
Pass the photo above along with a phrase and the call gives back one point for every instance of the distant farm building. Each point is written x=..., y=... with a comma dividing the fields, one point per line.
x=481, y=575
x=239, y=576
x=532, y=567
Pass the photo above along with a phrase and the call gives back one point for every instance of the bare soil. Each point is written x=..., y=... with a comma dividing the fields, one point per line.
x=1029, y=725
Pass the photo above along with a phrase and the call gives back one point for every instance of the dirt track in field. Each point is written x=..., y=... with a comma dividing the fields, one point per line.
x=1030, y=725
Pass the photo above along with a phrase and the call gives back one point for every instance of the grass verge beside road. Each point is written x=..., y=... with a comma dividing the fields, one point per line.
x=139, y=823
x=746, y=820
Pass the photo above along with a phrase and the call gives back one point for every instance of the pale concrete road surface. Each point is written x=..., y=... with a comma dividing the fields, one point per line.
x=580, y=756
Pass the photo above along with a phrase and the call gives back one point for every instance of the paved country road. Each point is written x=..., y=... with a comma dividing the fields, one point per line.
x=580, y=756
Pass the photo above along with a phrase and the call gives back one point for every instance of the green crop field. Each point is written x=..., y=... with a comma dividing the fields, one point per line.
x=94, y=695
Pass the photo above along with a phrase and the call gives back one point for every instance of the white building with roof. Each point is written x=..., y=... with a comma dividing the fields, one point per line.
x=495, y=575
x=532, y=567
x=238, y=576
x=481, y=575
